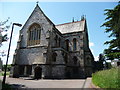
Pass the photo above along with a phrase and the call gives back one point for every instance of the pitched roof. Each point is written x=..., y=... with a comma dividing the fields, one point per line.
x=37, y=8
x=71, y=27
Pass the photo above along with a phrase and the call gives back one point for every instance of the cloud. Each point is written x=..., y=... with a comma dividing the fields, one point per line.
x=91, y=44
x=92, y=50
x=96, y=58
x=15, y=37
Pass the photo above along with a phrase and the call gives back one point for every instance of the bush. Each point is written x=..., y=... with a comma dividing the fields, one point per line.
x=107, y=78
x=8, y=67
x=2, y=73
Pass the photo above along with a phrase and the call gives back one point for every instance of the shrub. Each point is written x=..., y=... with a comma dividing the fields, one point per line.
x=2, y=73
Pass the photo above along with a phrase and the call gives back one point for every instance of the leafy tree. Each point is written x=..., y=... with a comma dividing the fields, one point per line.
x=101, y=57
x=112, y=25
x=3, y=28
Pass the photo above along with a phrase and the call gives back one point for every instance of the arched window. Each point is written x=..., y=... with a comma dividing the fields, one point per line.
x=56, y=40
x=34, y=34
x=54, y=56
x=74, y=44
x=67, y=44
x=88, y=60
x=66, y=58
x=59, y=42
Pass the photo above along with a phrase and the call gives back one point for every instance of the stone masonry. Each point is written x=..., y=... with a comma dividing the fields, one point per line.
x=62, y=51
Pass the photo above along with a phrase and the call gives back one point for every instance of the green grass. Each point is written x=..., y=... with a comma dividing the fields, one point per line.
x=107, y=78
x=6, y=87
x=2, y=73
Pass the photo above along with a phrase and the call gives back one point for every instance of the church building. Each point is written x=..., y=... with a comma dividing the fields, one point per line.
x=49, y=51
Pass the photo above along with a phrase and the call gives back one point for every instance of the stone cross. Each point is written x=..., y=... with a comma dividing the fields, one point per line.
x=37, y=2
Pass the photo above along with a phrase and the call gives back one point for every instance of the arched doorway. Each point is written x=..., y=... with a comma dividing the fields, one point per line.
x=37, y=72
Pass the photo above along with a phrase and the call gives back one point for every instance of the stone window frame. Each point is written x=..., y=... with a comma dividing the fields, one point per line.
x=74, y=44
x=88, y=60
x=34, y=34
x=59, y=42
x=54, y=55
x=67, y=44
x=56, y=40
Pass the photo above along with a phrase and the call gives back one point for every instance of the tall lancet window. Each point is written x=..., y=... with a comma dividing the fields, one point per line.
x=34, y=34
x=67, y=44
x=74, y=44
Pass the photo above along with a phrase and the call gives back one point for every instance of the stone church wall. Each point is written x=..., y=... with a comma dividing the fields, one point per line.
x=31, y=56
x=58, y=71
x=36, y=17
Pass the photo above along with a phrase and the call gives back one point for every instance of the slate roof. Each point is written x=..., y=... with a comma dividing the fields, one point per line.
x=71, y=27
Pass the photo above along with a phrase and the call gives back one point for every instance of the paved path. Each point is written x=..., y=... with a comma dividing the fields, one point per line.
x=25, y=83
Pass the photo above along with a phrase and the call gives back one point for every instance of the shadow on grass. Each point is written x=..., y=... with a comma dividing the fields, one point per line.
x=6, y=87
x=12, y=86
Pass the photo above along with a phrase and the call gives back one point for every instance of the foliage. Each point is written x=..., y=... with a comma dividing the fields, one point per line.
x=2, y=73
x=6, y=87
x=108, y=65
x=4, y=28
x=112, y=25
x=101, y=57
x=107, y=78
x=8, y=67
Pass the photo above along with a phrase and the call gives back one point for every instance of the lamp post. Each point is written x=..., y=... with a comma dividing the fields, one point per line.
x=4, y=78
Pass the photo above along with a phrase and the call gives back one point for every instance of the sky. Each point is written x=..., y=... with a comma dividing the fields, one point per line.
x=58, y=13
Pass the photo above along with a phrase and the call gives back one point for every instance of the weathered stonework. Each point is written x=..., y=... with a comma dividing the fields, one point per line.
x=63, y=51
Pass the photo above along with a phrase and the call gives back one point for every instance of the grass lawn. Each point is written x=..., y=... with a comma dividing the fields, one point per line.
x=107, y=78
x=6, y=86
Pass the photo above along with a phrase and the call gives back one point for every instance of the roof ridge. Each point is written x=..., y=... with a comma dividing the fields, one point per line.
x=68, y=23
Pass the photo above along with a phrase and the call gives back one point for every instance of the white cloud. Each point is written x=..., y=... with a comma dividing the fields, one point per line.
x=96, y=58
x=91, y=44
x=16, y=37
x=92, y=50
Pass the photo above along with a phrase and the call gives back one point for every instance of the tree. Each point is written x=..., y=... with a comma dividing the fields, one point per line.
x=112, y=25
x=3, y=28
x=101, y=57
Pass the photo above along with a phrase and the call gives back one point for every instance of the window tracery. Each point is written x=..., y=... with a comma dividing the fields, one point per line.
x=34, y=35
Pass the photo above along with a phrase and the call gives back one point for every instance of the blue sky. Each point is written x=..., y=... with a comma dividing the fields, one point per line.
x=58, y=13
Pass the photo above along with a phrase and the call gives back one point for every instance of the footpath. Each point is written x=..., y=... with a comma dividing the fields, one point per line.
x=43, y=84
x=89, y=85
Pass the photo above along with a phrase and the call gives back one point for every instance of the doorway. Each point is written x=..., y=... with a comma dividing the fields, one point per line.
x=37, y=72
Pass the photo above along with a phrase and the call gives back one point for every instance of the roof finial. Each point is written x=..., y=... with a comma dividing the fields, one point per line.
x=82, y=17
x=73, y=19
x=37, y=2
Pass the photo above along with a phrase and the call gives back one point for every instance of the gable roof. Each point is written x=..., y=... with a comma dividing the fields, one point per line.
x=71, y=27
x=37, y=8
